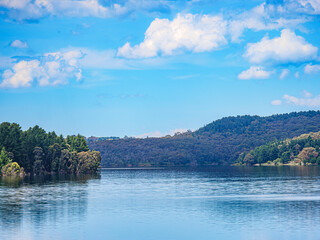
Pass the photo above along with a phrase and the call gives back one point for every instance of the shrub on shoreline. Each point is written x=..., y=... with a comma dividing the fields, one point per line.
x=12, y=169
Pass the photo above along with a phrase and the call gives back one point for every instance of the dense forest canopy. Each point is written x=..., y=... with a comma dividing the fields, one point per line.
x=38, y=152
x=220, y=142
x=301, y=150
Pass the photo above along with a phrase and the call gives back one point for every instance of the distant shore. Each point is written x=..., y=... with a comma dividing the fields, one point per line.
x=284, y=164
x=132, y=168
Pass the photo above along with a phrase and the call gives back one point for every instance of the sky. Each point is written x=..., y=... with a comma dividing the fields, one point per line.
x=151, y=68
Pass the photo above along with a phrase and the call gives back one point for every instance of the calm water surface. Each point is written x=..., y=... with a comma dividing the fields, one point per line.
x=216, y=203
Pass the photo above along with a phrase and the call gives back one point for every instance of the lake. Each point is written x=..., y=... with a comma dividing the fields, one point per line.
x=167, y=204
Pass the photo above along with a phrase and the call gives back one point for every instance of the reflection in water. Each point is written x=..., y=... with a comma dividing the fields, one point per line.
x=42, y=198
x=189, y=204
x=255, y=196
x=260, y=214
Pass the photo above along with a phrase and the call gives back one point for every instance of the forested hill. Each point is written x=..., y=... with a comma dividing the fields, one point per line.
x=219, y=142
x=274, y=126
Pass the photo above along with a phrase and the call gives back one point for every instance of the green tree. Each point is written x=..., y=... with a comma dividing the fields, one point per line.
x=263, y=155
x=286, y=157
x=33, y=137
x=10, y=138
x=77, y=143
x=63, y=161
x=4, y=158
x=72, y=162
x=52, y=158
x=274, y=152
x=38, y=167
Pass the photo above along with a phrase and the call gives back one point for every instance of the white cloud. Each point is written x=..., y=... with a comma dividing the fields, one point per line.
x=311, y=6
x=297, y=75
x=262, y=17
x=29, y=9
x=176, y=131
x=298, y=7
x=305, y=101
x=19, y=44
x=284, y=73
x=161, y=134
x=276, y=102
x=21, y=74
x=50, y=69
x=309, y=68
x=196, y=33
x=288, y=48
x=150, y=134
x=17, y=4
x=254, y=72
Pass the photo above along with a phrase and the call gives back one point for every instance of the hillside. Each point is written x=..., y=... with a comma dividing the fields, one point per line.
x=302, y=150
x=219, y=142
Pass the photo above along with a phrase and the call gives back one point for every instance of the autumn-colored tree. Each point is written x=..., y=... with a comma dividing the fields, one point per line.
x=88, y=162
x=249, y=159
x=308, y=153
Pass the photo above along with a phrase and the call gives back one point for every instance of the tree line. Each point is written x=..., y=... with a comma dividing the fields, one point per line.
x=302, y=150
x=35, y=151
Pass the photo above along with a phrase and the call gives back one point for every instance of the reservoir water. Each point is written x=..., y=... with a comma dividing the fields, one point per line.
x=165, y=204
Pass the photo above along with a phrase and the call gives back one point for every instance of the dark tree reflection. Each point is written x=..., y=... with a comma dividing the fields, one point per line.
x=43, y=198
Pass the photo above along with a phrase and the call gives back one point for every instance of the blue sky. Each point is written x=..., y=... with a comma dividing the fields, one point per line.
x=151, y=68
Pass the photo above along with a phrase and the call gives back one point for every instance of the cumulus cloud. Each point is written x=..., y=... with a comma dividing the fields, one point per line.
x=284, y=73
x=254, y=72
x=276, y=102
x=309, y=68
x=199, y=33
x=49, y=70
x=19, y=44
x=304, y=101
x=195, y=33
x=288, y=48
x=35, y=9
